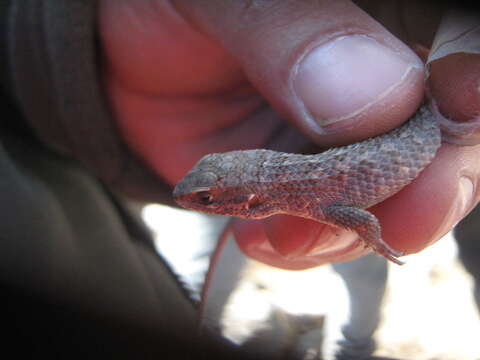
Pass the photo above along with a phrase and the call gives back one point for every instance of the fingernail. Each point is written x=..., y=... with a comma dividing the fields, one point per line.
x=460, y=133
x=461, y=206
x=343, y=77
x=463, y=202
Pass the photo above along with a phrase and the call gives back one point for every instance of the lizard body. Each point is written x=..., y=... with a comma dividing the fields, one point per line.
x=333, y=187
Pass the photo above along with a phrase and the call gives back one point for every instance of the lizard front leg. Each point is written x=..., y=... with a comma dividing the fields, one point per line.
x=365, y=224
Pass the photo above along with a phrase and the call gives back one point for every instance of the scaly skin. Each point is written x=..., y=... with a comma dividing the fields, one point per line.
x=332, y=187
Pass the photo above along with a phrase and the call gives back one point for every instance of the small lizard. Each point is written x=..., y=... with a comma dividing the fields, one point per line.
x=333, y=187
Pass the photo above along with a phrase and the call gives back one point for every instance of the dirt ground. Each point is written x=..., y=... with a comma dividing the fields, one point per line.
x=428, y=312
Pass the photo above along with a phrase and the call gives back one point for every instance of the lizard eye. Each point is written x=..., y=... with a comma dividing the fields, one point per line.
x=205, y=197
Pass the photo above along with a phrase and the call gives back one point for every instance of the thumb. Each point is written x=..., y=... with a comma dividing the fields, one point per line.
x=326, y=66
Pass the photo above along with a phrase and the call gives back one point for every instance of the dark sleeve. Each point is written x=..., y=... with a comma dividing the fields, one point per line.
x=78, y=279
x=467, y=234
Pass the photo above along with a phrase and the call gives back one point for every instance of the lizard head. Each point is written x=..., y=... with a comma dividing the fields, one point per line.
x=216, y=184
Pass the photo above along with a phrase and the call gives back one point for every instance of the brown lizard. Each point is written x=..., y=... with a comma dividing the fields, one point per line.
x=333, y=187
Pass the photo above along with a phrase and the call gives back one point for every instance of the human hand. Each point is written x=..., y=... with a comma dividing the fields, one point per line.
x=186, y=78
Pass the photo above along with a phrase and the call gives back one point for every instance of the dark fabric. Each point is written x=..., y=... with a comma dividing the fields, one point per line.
x=79, y=276
x=4, y=72
x=55, y=65
x=68, y=260
x=467, y=234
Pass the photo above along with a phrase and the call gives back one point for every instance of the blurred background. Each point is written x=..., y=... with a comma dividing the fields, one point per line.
x=428, y=312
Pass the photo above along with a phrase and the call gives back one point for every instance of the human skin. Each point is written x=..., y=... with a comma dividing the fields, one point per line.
x=187, y=78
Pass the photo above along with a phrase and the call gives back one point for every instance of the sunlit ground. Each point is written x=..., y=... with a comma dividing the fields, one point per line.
x=429, y=313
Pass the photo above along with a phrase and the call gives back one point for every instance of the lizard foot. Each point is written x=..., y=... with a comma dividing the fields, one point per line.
x=366, y=225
